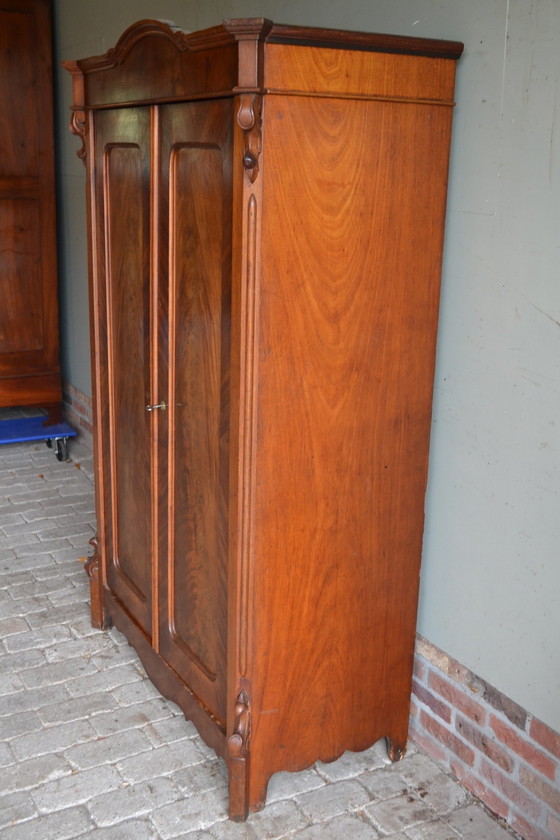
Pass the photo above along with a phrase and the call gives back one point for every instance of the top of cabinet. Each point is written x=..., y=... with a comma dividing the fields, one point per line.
x=155, y=61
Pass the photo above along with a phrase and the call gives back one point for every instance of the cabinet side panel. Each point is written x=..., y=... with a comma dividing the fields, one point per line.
x=351, y=254
x=127, y=237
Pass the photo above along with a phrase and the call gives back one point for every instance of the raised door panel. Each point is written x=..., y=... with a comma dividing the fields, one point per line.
x=122, y=143
x=196, y=188
x=29, y=369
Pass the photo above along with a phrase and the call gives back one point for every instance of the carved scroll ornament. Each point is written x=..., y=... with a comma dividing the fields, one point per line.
x=249, y=119
x=239, y=740
x=77, y=126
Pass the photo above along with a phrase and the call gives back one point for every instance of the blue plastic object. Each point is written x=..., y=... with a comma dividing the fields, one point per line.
x=21, y=429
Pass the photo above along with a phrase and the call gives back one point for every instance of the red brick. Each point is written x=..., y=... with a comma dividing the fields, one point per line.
x=529, y=831
x=541, y=789
x=523, y=748
x=420, y=669
x=484, y=744
x=414, y=708
x=431, y=747
x=447, y=738
x=490, y=798
x=545, y=736
x=457, y=698
x=553, y=826
x=438, y=707
x=516, y=794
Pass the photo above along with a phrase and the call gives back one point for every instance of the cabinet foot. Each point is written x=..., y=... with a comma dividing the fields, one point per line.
x=99, y=616
x=396, y=749
x=238, y=761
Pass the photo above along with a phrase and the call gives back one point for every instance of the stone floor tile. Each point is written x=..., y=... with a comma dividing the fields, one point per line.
x=284, y=785
x=383, y=784
x=6, y=755
x=62, y=825
x=351, y=764
x=76, y=789
x=345, y=827
x=56, y=672
x=11, y=581
x=168, y=759
x=198, y=835
x=14, y=663
x=25, y=699
x=277, y=820
x=52, y=740
x=226, y=830
x=141, y=829
x=50, y=615
x=132, y=717
x=24, y=775
x=199, y=778
x=170, y=729
x=33, y=639
x=12, y=726
x=10, y=684
x=12, y=626
x=432, y=831
x=135, y=692
x=81, y=628
x=473, y=823
x=132, y=801
x=334, y=799
x=443, y=794
x=103, y=680
x=417, y=770
x=190, y=814
x=398, y=813
x=15, y=808
x=77, y=708
x=107, y=750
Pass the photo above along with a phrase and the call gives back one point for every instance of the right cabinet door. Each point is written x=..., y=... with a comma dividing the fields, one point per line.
x=195, y=199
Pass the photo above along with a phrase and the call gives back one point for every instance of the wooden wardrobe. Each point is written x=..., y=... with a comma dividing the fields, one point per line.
x=29, y=349
x=266, y=209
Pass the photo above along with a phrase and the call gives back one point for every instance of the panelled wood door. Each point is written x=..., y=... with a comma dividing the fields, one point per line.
x=123, y=152
x=29, y=363
x=195, y=191
x=165, y=195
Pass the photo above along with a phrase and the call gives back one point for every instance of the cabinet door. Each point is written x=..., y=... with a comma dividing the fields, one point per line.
x=122, y=289
x=196, y=165
x=29, y=366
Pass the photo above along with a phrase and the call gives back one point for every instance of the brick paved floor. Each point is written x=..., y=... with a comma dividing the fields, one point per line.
x=90, y=749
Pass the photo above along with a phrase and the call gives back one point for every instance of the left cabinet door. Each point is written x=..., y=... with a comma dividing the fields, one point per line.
x=124, y=367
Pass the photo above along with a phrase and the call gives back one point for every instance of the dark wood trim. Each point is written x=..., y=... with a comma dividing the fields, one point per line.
x=365, y=41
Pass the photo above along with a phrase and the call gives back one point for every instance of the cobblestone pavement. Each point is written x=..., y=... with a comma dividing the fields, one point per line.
x=90, y=749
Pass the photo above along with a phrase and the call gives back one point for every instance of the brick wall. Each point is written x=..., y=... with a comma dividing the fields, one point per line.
x=504, y=755
x=78, y=412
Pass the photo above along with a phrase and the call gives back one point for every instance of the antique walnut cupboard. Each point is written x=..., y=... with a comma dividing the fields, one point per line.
x=266, y=208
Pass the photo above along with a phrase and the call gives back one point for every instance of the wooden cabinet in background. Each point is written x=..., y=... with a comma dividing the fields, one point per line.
x=29, y=353
x=267, y=207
